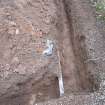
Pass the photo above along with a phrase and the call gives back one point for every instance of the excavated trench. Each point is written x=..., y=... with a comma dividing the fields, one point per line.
x=73, y=54
x=77, y=79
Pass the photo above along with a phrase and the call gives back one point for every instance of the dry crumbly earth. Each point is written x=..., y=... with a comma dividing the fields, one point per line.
x=24, y=30
x=27, y=77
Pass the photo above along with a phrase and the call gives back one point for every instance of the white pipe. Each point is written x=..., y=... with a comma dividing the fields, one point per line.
x=61, y=87
x=60, y=78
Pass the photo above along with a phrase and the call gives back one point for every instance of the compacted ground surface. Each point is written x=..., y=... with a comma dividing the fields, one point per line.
x=27, y=75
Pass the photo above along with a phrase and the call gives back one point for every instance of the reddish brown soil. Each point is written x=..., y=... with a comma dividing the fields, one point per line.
x=26, y=75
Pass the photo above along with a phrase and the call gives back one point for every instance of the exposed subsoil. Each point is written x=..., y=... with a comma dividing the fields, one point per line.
x=26, y=75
